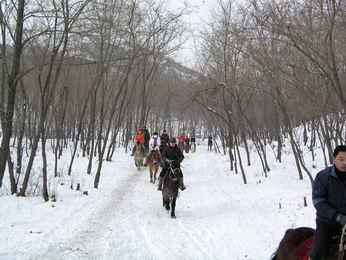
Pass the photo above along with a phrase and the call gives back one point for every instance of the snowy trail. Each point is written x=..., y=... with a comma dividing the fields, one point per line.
x=132, y=224
x=88, y=238
x=218, y=217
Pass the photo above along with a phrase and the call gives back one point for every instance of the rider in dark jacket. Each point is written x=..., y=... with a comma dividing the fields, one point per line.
x=146, y=137
x=164, y=138
x=173, y=153
x=329, y=199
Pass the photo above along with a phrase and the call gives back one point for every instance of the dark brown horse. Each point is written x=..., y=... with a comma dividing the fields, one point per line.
x=170, y=187
x=297, y=244
x=154, y=165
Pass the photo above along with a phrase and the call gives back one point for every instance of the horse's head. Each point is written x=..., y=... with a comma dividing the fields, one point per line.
x=153, y=156
x=175, y=167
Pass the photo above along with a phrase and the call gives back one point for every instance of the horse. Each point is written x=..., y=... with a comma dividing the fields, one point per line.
x=138, y=156
x=210, y=144
x=186, y=148
x=193, y=147
x=170, y=187
x=297, y=244
x=181, y=146
x=154, y=164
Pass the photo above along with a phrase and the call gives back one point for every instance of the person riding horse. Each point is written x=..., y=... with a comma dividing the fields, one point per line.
x=154, y=146
x=164, y=139
x=193, y=144
x=171, y=153
x=139, y=138
x=181, y=142
x=187, y=141
x=146, y=137
x=210, y=142
x=181, y=139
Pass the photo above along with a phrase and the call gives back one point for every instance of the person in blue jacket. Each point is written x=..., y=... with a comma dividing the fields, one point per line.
x=329, y=199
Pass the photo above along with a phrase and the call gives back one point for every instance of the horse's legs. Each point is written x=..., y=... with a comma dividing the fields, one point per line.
x=173, y=206
x=155, y=173
x=151, y=174
x=166, y=204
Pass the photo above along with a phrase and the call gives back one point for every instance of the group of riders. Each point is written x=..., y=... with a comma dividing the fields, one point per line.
x=329, y=188
x=166, y=148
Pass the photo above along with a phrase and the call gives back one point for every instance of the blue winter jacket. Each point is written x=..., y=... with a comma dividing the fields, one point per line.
x=329, y=195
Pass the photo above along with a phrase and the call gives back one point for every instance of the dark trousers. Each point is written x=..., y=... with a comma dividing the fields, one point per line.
x=324, y=233
x=164, y=171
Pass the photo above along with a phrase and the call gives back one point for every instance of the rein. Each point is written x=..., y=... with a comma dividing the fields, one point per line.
x=342, y=243
x=171, y=172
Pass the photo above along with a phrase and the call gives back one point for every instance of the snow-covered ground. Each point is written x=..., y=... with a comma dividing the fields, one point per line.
x=218, y=217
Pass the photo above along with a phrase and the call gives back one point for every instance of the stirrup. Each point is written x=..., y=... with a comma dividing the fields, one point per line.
x=182, y=187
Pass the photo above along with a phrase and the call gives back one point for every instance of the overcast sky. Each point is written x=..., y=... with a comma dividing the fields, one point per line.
x=199, y=12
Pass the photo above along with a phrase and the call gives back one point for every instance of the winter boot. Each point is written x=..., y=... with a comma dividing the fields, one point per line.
x=181, y=183
x=159, y=186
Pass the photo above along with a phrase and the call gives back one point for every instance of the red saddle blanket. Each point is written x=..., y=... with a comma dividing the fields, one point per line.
x=303, y=251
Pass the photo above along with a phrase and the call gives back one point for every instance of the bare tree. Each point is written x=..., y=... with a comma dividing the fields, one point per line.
x=10, y=76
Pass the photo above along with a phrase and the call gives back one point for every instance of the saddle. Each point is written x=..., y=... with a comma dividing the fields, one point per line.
x=303, y=251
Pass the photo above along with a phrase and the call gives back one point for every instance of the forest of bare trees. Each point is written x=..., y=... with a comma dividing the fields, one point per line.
x=270, y=66
x=84, y=75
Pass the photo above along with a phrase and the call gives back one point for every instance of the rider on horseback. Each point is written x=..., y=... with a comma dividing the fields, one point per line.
x=164, y=139
x=171, y=153
x=329, y=199
x=139, y=138
x=181, y=139
x=146, y=137
x=154, y=146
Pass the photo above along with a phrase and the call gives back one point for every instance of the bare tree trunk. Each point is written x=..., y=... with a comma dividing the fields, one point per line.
x=7, y=115
x=92, y=130
x=20, y=145
x=243, y=137
x=12, y=177
x=240, y=163
x=60, y=130
x=79, y=132
x=44, y=170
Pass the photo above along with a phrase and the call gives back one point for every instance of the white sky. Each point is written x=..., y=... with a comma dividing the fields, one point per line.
x=199, y=13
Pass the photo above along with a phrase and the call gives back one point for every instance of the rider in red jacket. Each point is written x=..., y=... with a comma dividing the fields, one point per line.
x=138, y=138
x=181, y=139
